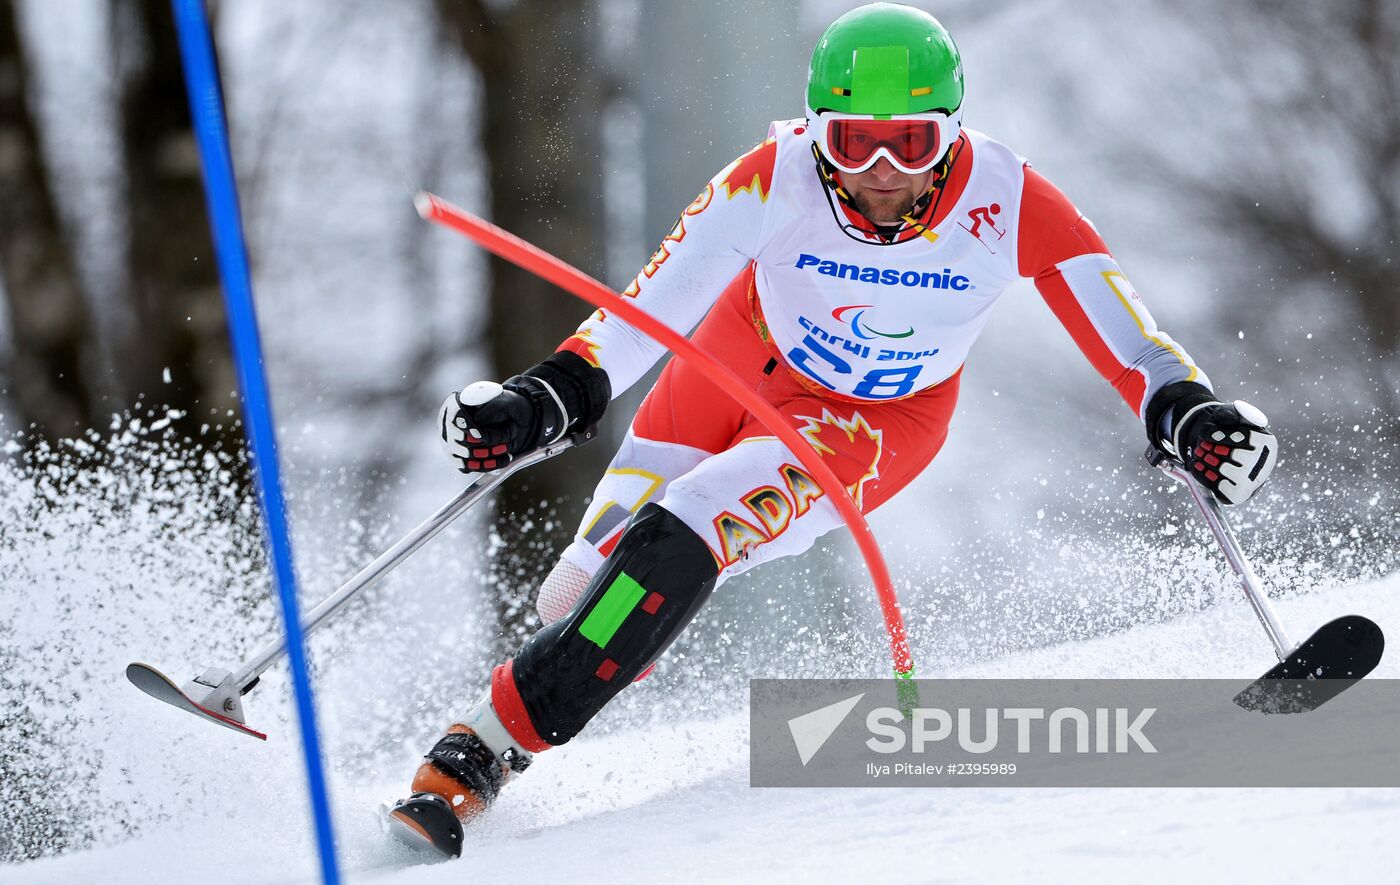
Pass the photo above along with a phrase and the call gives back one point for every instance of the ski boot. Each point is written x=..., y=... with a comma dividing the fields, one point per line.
x=462, y=776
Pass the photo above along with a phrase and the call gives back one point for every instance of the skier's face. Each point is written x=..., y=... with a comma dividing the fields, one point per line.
x=882, y=193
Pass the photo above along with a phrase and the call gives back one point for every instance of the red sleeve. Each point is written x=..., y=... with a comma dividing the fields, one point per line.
x=1083, y=286
x=1051, y=228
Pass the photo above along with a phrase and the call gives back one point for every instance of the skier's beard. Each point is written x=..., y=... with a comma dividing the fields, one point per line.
x=884, y=208
x=882, y=193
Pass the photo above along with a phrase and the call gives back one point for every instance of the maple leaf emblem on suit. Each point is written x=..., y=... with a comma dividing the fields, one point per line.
x=850, y=440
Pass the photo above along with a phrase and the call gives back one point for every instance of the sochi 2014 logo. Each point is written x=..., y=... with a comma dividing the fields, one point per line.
x=854, y=316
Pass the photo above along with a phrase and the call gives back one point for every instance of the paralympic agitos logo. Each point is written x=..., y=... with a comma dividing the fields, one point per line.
x=885, y=276
x=858, y=326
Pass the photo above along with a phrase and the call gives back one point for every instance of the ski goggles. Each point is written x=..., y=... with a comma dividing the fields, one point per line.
x=853, y=143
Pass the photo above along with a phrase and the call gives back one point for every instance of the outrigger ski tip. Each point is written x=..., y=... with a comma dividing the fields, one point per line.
x=1309, y=674
x=1327, y=663
x=210, y=687
x=217, y=695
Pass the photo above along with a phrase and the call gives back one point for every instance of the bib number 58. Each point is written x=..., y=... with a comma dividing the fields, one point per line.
x=891, y=383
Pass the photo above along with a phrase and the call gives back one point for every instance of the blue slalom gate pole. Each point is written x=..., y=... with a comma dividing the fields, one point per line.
x=207, y=109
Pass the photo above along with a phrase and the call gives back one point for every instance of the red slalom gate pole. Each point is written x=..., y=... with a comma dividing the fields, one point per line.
x=574, y=281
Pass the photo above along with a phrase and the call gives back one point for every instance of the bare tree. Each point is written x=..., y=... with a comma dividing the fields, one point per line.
x=543, y=92
x=1310, y=185
x=45, y=370
x=172, y=279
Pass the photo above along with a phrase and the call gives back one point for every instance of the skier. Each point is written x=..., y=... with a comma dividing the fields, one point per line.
x=843, y=267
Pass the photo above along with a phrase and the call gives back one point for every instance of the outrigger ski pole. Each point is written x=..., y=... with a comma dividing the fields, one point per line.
x=1309, y=674
x=216, y=694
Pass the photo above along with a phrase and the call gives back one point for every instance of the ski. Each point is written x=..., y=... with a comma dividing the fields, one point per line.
x=216, y=694
x=1327, y=663
x=207, y=687
x=424, y=822
x=1308, y=675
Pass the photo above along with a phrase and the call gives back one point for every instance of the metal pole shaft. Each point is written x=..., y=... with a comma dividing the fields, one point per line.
x=396, y=554
x=1230, y=545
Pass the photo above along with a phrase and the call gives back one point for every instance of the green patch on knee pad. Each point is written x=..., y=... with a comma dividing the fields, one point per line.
x=617, y=603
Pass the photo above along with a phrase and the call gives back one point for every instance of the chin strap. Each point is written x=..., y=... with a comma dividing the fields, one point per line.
x=890, y=233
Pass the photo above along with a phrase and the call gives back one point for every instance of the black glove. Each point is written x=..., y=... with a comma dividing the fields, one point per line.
x=1228, y=447
x=485, y=425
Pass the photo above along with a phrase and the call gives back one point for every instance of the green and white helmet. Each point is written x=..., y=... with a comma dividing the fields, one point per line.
x=893, y=65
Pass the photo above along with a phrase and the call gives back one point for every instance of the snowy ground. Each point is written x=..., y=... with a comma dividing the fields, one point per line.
x=672, y=803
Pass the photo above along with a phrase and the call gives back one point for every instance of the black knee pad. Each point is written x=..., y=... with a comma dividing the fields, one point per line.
x=637, y=604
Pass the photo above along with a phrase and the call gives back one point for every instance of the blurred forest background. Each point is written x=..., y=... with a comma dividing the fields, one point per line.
x=1241, y=157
